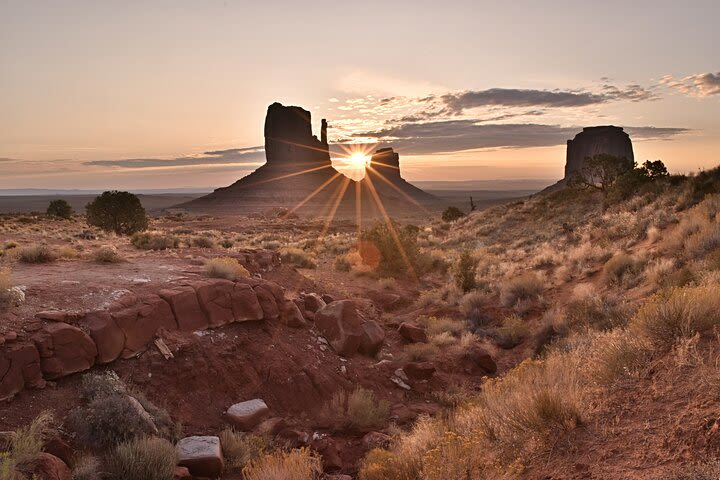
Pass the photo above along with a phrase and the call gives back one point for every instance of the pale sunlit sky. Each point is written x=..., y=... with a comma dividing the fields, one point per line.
x=169, y=94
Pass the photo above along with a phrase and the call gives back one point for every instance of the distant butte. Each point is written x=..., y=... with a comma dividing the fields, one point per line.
x=298, y=174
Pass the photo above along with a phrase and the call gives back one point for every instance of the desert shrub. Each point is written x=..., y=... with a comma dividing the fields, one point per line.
x=439, y=325
x=342, y=264
x=107, y=254
x=360, y=410
x=67, y=252
x=621, y=268
x=6, y=283
x=472, y=306
x=419, y=352
x=532, y=402
x=87, y=467
x=512, y=332
x=298, y=257
x=225, y=267
x=297, y=464
x=391, y=249
x=148, y=458
x=109, y=415
x=612, y=355
x=37, y=254
x=119, y=212
x=240, y=448
x=451, y=214
x=29, y=441
x=60, y=208
x=202, y=241
x=465, y=271
x=154, y=240
x=677, y=313
x=593, y=311
x=226, y=243
x=527, y=286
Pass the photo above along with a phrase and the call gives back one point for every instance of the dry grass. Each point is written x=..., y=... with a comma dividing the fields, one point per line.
x=360, y=410
x=37, y=254
x=154, y=240
x=202, y=241
x=241, y=448
x=298, y=257
x=298, y=464
x=6, y=296
x=87, y=467
x=677, y=313
x=526, y=287
x=512, y=332
x=107, y=254
x=419, y=352
x=621, y=268
x=225, y=267
x=147, y=458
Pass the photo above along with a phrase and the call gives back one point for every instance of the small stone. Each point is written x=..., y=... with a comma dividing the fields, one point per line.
x=247, y=415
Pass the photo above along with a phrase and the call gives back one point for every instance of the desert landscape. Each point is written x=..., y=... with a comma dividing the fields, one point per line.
x=440, y=284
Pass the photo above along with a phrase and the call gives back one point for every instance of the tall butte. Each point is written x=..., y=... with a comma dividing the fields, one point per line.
x=298, y=175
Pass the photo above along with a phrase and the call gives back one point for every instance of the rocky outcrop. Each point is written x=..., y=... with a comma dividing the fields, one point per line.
x=289, y=140
x=592, y=141
x=387, y=163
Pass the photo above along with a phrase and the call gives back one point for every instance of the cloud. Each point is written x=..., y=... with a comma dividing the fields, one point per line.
x=513, y=97
x=457, y=135
x=247, y=155
x=699, y=85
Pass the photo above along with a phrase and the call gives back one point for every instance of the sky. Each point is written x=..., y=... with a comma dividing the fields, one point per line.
x=172, y=94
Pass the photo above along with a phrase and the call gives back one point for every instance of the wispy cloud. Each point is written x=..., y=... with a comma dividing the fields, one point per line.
x=247, y=155
x=698, y=85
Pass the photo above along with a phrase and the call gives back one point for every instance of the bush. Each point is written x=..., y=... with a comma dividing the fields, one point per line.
x=360, y=410
x=528, y=286
x=465, y=271
x=154, y=241
x=298, y=464
x=225, y=267
x=87, y=468
x=202, y=241
x=240, y=448
x=60, y=208
x=119, y=212
x=391, y=250
x=107, y=254
x=620, y=268
x=342, y=264
x=451, y=214
x=143, y=458
x=298, y=257
x=677, y=313
x=37, y=254
x=512, y=332
x=6, y=296
x=471, y=306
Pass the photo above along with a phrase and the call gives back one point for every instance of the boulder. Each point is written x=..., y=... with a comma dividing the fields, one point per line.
x=291, y=315
x=373, y=337
x=45, y=466
x=202, y=456
x=215, y=297
x=327, y=298
x=340, y=324
x=64, y=349
x=141, y=321
x=247, y=415
x=19, y=368
x=419, y=370
x=108, y=337
x=267, y=303
x=329, y=452
x=245, y=304
x=185, y=306
x=313, y=302
x=413, y=333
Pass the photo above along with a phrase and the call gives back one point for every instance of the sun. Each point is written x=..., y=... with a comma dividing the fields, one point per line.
x=358, y=160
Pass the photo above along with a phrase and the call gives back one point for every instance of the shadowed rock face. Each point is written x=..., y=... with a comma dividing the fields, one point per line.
x=592, y=141
x=299, y=174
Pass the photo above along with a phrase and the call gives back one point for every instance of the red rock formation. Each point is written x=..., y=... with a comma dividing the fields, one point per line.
x=592, y=141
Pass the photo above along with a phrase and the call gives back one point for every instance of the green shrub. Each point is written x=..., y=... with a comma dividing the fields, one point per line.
x=142, y=458
x=119, y=212
x=60, y=208
x=154, y=240
x=451, y=214
x=391, y=249
x=465, y=271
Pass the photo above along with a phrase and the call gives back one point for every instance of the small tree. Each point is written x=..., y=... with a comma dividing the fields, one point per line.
x=654, y=170
x=119, y=212
x=601, y=171
x=451, y=214
x=465, y=271
x=60, y=208
x=637, y=180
